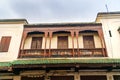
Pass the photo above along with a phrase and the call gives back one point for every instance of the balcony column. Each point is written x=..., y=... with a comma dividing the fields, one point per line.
x=24, y=35
x=77, y=34
x=23, y=39
x=50, y=37
x=102, y=42
x=46, y=35
x=72, y=35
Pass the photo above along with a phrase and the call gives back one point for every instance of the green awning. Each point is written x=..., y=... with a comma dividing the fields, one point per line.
x=60, y=61
x=66, y=61
x=5, y=64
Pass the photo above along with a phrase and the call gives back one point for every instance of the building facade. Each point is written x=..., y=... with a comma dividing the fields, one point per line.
x=60, y=51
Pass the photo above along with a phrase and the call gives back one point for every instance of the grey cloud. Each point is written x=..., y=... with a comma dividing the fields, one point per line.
x=56, y=10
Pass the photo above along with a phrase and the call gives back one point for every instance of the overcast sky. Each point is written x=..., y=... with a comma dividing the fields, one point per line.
x=44, y=11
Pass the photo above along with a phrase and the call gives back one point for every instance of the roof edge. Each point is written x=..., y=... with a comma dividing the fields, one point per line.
x=108, y=15
x=64, y=24
x=13, y=21
x=116, y=12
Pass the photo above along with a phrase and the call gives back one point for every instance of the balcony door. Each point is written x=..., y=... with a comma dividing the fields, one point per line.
x=62, y=42
x=36, y=43
x=88, y=41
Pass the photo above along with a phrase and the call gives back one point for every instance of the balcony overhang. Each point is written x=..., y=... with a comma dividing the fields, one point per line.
x=62, y=63
x=66, y=61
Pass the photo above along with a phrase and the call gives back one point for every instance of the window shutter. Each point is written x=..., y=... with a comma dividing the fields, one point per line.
x=62, y=42
x=4, y=44
x=88, y=41
x=39, y=43
x=36, y=43
x=33, y=45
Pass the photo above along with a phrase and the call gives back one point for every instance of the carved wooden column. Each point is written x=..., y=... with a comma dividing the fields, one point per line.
x=100, y=33
x=24, y=35
x=23, y=39
x=72, y=35
x=46, y=35
x=50, y=36
x=77, y=34
x=104, y=43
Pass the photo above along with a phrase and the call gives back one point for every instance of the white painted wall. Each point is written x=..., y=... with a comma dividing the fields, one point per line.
x=112, y=43
x=15, y=31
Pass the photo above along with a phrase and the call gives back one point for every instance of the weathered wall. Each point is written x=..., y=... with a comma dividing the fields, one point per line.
x=15, y=31
x=112, y=43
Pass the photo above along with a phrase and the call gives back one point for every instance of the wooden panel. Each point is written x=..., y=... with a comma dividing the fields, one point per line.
x=93, y=78
x=62, y=42
x=116, y=77
x=36, y=43
x=62, y=78
x=4, y=44
x=32, y=78
x=88, y=41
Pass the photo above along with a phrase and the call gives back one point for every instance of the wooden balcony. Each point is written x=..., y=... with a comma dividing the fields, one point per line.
x=97, y=52
x=59, y=53
x=31, y=53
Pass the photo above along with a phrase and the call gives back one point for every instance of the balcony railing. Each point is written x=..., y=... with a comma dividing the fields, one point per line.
x=32, y=53
x=41, y=53
x=61, y=52
x=97, y=52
